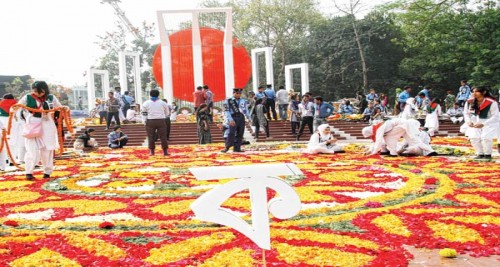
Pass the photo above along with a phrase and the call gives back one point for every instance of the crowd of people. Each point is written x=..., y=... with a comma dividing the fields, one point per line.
x=416, y=123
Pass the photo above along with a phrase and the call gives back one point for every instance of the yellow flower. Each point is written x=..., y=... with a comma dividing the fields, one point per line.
x=448, y=253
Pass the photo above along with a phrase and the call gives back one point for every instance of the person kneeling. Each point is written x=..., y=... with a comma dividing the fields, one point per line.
x=117, y=139
x=85, y=142
x=322, y=141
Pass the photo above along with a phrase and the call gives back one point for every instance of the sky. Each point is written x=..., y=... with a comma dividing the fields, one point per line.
x=55, y=40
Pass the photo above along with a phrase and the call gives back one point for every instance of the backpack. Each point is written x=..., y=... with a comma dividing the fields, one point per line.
x=126, y=104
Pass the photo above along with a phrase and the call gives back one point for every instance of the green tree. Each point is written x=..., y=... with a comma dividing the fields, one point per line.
x=333, y=53
x=445, y=41
x=18, y=87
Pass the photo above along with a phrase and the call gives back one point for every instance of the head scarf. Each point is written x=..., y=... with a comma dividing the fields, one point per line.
x=321, y=128
x=367, y=131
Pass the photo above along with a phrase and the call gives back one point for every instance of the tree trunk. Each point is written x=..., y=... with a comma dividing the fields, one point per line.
x=361, y=55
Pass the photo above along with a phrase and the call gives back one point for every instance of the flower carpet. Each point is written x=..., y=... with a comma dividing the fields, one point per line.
x=124, y=208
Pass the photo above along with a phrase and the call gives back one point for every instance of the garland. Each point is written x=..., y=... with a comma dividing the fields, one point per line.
x=64, y=117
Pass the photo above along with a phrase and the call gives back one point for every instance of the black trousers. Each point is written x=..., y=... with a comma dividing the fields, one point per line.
x=309, y=122
x=271, y=107
x=110, y=116
x=102, y=115
x=235, y=137
x=169, y=123
x=295, y=125
x=257, y=129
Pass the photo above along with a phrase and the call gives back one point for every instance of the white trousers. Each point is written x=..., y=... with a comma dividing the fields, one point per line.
x=456, y=119
x=3, y=158
x=34, y=154
x=482, y=146
x=391, y=139
x=324, y=150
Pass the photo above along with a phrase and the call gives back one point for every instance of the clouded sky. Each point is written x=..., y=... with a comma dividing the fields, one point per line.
x=54, y=40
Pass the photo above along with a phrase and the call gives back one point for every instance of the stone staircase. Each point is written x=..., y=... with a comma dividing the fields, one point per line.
x=185, y=133
x=180, y=134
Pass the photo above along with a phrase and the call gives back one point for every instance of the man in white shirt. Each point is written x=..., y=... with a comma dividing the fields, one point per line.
x=456, y=113
x=282, y=96
x=132, y=115
x=156, y=112
x=306, y=109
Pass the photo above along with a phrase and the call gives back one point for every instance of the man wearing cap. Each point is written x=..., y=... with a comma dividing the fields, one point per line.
x=236, y=111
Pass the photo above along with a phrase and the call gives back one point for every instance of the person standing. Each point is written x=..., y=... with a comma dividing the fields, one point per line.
x=156, y=113
x=5, y=104
x=282, y=96
x=464, y=93
x=481, y=121
x=259, y=119
x=80, y=103
x=40, y=148
x=199, y=97
x=127, y=102
x=209, y=102
x=173, y=114
x=322, y=110
x=432, y=117
x=403, y=97
x=117, y=139
x=260, y=94
x=113, y=106
x=118, y=95
x=294, y=113
x=306, y=111
x=236, y=110
x=270, y=102
x=102, y=109
x=397, y=108
x=204, y=135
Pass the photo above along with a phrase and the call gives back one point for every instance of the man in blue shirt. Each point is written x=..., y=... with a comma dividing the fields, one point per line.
x=322, y=110
x=117, y=139
x=463, y=93
x=127, y=102
x=403, y=97
x=260, y=93
x=236, y=111
x=270, y=102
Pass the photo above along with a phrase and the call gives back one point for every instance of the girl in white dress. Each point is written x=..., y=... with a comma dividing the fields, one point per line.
x=432, y=117
x=481, y=121
x=40, y=148
x=322, y=141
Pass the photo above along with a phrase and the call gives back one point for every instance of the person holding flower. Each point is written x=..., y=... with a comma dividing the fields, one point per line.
x=42, y=147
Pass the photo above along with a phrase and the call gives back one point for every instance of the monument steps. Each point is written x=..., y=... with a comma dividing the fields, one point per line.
x=185, y=133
